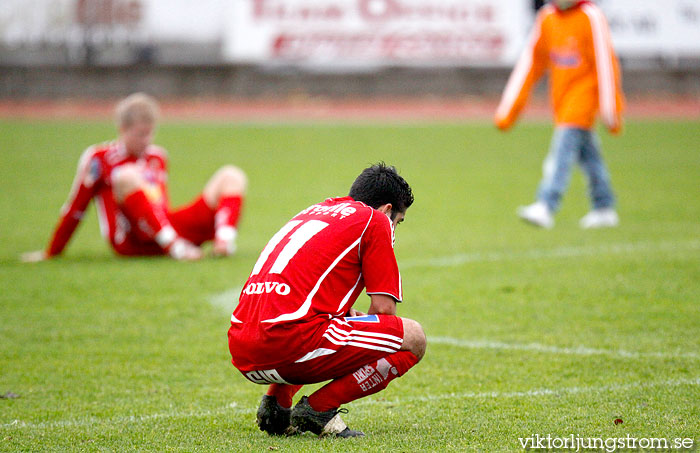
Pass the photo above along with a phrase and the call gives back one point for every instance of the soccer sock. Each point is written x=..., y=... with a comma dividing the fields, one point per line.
x=366, y=381
x=226, y=218
x=284, y=393
x=229, y=211
x=150, y=218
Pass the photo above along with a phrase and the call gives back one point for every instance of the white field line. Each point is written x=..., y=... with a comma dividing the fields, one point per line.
x=226, y=301
x=559, y=252
x=541, y=392
x=579, y=350
x=233, y=409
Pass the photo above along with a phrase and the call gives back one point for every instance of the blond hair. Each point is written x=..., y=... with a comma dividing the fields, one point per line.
x=136, y=108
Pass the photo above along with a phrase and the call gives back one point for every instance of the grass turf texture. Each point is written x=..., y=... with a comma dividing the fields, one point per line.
x=116, y=354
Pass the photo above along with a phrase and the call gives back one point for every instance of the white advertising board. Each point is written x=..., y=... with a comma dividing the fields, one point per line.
x=377, y=32
x=652, y=28
x=338, y=33
x=38, y=22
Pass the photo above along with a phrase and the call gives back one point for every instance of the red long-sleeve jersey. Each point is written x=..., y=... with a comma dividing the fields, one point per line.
x=93, y=180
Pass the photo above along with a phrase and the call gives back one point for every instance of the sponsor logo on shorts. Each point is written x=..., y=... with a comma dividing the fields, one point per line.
x=265, y=377
x=267, y=288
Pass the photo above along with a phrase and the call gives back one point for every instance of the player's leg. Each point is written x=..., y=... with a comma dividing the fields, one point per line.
x=348, y=349
x=149, y=218
x=376, y=375
x=319, y=412
x=556, y=174
x=274, y=412
x=600, y=190
x=283, y=393
x=557, y=167
x=224, y=194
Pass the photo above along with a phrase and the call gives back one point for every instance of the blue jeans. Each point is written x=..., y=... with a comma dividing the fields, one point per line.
x=570, y=145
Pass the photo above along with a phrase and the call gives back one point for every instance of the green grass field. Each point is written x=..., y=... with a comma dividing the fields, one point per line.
x=530, y=332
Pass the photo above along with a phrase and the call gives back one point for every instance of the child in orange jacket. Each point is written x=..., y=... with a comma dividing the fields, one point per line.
x=571, y=40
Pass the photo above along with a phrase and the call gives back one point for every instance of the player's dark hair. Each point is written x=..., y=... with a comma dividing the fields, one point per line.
x=381, y=184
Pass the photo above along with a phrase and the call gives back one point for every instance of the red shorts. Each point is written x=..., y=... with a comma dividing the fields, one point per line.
x=194, y=222
x=344, y=346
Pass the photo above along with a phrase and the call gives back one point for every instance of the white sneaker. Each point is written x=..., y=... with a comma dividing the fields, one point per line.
x=600, y=218
x=537, y=214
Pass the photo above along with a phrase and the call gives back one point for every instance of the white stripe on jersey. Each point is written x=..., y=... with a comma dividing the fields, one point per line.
x=603, y=60
x=276, y=239
x=359, y=247
x=316, y=353
x=296, y=241
x=304, y=309
x=80, y=177
x=347, y=296
x=102, y=216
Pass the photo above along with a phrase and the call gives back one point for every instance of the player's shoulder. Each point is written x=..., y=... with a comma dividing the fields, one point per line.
x=547, y=11
x=95, y=153
x=98, y=149
x=592, y=12
x=589, y=6
x=380, y=223
x=157, y=151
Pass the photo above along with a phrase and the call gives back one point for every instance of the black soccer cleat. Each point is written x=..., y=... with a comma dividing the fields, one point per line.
x=327, y=423
x=273, y=418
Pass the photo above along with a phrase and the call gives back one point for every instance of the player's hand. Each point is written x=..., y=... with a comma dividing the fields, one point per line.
x=183, y=250
x=223, y=248
x=353, y=312
x=225, y=241
x=501, y=124
x=615, y=129
x=33, y=257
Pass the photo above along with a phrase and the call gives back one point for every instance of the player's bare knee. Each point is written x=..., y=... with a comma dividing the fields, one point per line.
x=126, y=180
x=234, y=179
x=229, y=180
x=414, y=337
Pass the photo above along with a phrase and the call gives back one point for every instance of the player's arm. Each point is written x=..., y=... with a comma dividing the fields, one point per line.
x=610, y=97
x=381, y=304
x=379, y=267
x=530, y=67
x=72, y=211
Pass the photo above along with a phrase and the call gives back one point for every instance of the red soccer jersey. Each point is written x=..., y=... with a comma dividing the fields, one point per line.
x=311, y=271
x=94, y=180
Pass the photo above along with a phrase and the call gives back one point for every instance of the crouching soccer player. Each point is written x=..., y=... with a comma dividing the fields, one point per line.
x=127, y=178
x=295, y=324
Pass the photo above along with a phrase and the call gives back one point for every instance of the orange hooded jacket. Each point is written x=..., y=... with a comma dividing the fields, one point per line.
x=584, y=73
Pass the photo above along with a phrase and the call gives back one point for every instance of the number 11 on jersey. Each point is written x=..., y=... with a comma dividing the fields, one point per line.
x=296, y=241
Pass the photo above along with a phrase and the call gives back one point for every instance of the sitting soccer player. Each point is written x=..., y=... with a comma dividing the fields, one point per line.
x=127, y=178
x=295, y=324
